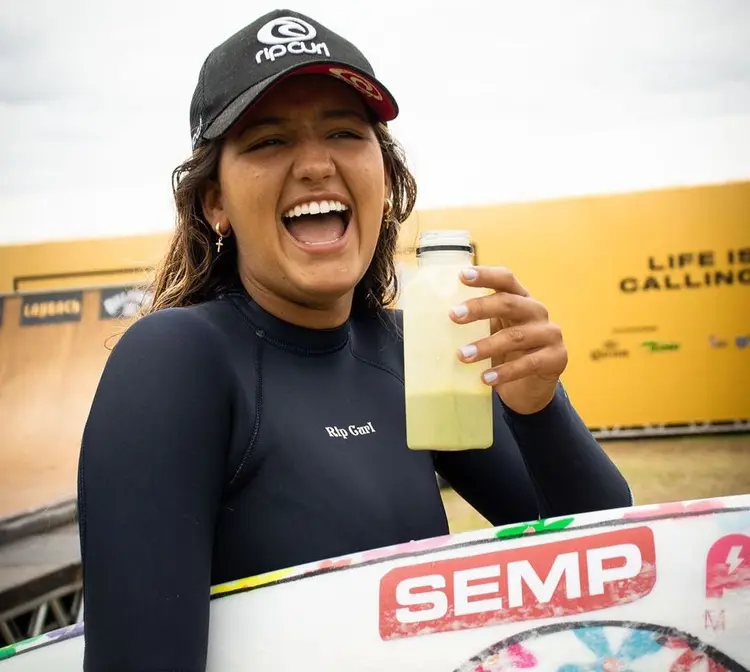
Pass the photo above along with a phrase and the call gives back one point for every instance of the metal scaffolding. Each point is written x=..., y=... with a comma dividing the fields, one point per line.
x=52, y=610
x=41, y=579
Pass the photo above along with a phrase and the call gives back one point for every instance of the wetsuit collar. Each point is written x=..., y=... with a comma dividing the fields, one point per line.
x=286, y=335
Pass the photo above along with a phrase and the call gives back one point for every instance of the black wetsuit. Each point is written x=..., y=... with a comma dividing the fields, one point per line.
x=223, y=443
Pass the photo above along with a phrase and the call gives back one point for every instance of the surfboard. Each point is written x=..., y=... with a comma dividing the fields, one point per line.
x=663, y=587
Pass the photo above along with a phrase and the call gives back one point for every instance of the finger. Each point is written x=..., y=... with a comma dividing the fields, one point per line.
x=545, y=363
x=500, y=305
x=493, y=277
x=534, y=335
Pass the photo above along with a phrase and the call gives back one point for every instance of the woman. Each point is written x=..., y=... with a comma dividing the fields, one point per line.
x=214, y=448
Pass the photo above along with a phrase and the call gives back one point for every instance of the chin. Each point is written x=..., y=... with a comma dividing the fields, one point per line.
x=325, y=279
x=326, y=291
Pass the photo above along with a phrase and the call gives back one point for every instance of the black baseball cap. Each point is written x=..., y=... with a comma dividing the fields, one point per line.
x=273, y=47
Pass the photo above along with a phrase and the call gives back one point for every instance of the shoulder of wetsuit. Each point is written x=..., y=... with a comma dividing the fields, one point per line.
x=388, y=319
x=381, y=327
x=377, y=340
x=397, y=316
x=178, y=335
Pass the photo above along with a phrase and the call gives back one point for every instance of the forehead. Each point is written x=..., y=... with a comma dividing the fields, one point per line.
x=307, y=95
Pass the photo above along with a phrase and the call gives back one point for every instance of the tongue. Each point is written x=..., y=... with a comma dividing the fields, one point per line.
x=316, y=229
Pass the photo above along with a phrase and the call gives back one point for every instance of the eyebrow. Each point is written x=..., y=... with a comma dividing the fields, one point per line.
x=264, y=121
x=343, y=113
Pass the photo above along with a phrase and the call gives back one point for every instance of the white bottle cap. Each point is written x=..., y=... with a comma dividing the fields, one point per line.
x=444, y=241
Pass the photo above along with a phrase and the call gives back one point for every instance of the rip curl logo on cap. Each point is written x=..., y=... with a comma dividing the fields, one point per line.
x=358, y=82
x=286, y=29
x=289, y=35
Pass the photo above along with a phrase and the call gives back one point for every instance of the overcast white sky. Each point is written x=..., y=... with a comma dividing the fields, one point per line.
x=500, y=100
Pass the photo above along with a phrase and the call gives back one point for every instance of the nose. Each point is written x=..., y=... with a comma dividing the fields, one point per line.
x=313, y=161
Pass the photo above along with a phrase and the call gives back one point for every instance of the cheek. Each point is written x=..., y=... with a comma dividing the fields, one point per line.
x=372, y=196
x=251, y=195
x=242, y=192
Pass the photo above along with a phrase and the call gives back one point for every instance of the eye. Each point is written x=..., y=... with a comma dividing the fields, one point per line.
x=348, y=134
x=266, y=142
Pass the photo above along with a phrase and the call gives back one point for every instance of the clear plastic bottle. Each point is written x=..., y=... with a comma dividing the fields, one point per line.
x=448, y=407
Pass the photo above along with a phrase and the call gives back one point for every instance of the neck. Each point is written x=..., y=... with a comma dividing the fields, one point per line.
x=312, y=315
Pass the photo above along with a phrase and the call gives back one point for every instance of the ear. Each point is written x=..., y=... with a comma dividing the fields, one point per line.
x=213, y=207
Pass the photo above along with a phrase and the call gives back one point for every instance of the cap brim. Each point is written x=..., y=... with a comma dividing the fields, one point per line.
x=375, y=95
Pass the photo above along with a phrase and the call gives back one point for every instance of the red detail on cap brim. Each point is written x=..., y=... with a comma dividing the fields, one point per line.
x=374, y=95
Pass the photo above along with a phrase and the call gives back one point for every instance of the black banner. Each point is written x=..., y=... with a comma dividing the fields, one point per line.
x=121, y=302
x=2, y=305
x=53, y=308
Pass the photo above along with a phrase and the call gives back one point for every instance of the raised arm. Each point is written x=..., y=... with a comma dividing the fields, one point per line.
x=150, y=480
x=541, y=465
x=571, y=471
x=526, y=356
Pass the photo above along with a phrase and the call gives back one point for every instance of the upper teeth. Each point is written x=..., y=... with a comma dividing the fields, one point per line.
x=315, y=208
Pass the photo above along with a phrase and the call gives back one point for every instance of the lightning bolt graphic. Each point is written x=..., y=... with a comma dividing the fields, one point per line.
x=734, y=559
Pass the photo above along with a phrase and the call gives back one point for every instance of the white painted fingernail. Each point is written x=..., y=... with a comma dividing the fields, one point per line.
x=468, y=351
x=489, y=377
x=460, y=310
x=470, y=273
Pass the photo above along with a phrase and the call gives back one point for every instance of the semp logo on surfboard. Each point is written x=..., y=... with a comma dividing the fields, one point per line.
x=533, y=582
x=122, y=302
x=289, y=35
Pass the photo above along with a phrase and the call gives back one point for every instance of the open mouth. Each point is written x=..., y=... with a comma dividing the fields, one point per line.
x=317, y=222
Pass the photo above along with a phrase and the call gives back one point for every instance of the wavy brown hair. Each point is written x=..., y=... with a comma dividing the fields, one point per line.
x=193, y=272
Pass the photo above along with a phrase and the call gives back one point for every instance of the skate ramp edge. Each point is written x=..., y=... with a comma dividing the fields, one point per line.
x=38, y=521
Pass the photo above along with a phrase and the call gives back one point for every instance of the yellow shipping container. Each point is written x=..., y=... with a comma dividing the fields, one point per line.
x=652, y=290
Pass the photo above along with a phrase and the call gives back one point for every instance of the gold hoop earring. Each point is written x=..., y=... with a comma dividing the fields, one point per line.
x=221, y=236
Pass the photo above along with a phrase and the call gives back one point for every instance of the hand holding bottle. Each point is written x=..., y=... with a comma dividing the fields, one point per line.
x=526, y=350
